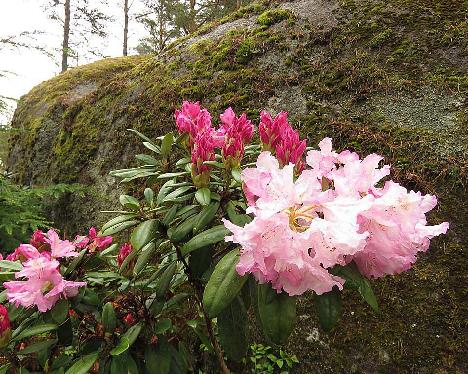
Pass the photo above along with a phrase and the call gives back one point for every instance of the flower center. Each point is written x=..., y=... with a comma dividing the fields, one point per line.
x=47, y=287
x=300, y=217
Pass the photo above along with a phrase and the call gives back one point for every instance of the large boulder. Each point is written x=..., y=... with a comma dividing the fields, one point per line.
x=376, y=76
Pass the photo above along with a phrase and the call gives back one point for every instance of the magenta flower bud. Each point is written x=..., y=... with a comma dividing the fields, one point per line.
x=271, y=130
x=124, y=251
x=237, y=131
x=38, y=238
x=192, y=120
x=290, y=149
x=5, y=328
x=203, y=150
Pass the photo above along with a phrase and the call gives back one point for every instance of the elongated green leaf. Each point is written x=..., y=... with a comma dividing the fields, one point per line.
x=60, y=311
x=355, y=281
x=119, y=364
x=328, y=306
x=177, y=192
x=203, y=196
x=211, y=236
x=170, y=215
x=118, y=220
x=205, y=217
x=232, y=330
x=163, y=325
x=127, y=339
x=172, y=175
x=38, y=346
x=147, y=159
x=129, y=202
x=164, y=190
x=182, y=230
x=277, y=313
x=224, y=284
x=165, y=280
x=158, y=359
x=236, y=218
x=144, y=257
x=236, y=174
x=144, y=233
x=166, y=145
x=149, y=196
x=36, y=330
x=115, y=229
x=10, y=265
x=156, y=149
x=142, y=136
x=109, y=320
x=109, y=250
x=83, y=365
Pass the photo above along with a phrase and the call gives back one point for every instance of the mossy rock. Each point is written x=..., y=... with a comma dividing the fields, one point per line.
x=377, y=76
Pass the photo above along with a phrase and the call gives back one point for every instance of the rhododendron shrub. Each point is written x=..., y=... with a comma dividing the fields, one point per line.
x=224, y=224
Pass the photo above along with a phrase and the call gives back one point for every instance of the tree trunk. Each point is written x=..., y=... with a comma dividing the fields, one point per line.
x=125, y=41
x=66, y=36
x=238, y=4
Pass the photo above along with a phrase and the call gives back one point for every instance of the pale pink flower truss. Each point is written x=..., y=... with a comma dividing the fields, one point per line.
x=43, y=287
x=303, y=226
x=397, y=228
x=23, y=253
x=60, y=248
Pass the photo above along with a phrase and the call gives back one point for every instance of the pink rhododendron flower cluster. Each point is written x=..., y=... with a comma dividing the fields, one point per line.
x=332, y=214
x=42, y=284
x=93, y=242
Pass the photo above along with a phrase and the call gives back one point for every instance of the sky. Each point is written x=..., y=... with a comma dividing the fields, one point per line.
x=30, y=67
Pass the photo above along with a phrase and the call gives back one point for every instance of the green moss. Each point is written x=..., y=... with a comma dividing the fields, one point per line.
x=270, y=17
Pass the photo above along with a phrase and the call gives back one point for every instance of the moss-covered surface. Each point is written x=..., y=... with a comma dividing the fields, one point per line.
x=334, y=66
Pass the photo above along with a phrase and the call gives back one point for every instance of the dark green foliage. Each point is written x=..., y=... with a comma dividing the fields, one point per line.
x=22, y=210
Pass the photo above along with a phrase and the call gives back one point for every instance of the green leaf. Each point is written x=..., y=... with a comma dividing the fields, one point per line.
x=109, y=320
x=127, y=339
x=129, y=202
x=182, y=230
x=158, y=359
x=144, y=233
x=166, y=145
x=165, y=280
x=147, y=159
x=163, y=325
x=170, y=215
x=328, y=307
x=355, y=281
x=118, y=220
x=149, y=196
x=38, y=346
x=232, y=330
x=60, y=311
x=109, y=250
x=152, y=147
x=119, y=364
x=277, y=313
x=144, y=257
x=205, y=217
x=177, y=192
x=203, y=196
x=83, y=365
x=11, y=265
x=115, y=229
x=173, y=175
x=224, y=285
x=236, y=218
x=164, y=190
x=35, y=330
x=236, y=174
x=211, y=236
